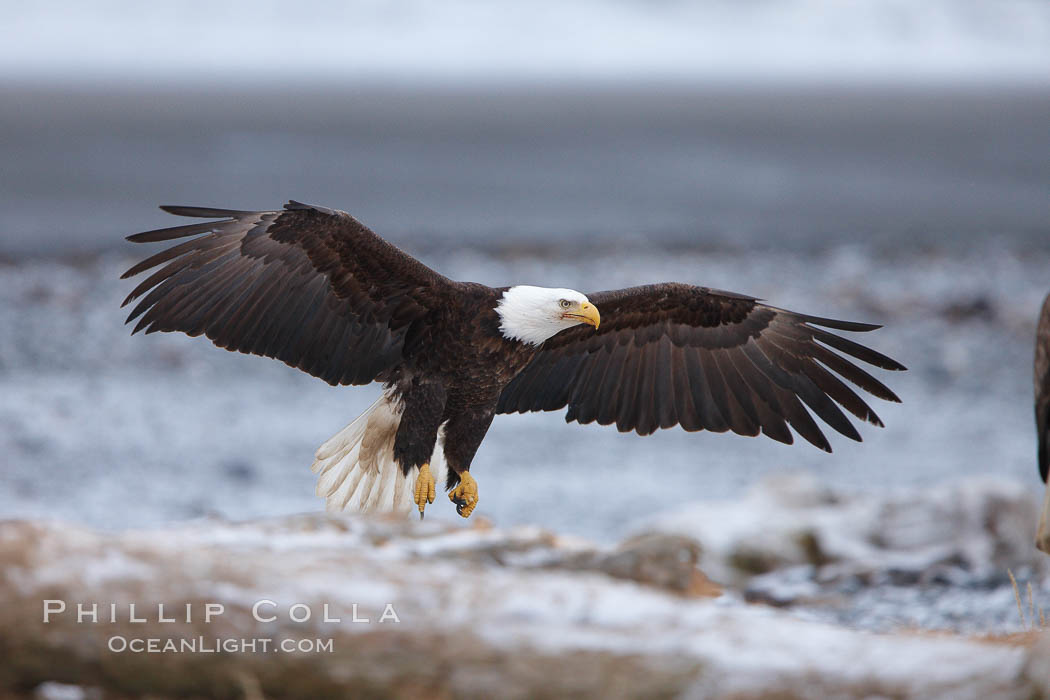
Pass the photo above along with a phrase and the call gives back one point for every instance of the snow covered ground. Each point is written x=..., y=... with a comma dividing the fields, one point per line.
x=450, y=611
x=908, y=558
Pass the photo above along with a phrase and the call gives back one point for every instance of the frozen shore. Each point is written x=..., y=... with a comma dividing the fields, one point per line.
x=935, y=557
x=452, y=612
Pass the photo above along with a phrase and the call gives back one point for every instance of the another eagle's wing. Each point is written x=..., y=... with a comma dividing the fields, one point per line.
x=310, y=286
x=1042, y=388
x=675, y=354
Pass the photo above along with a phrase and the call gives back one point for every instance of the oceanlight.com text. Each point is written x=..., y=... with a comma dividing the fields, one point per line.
x=213, y=645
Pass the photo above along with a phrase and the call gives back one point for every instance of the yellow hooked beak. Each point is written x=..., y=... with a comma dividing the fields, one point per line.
x=587, y=313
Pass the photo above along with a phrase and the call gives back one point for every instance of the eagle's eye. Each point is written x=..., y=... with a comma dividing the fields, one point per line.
x=565, y=303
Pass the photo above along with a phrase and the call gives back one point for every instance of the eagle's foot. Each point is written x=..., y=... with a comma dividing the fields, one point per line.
x=465, y=495
x=424, y=492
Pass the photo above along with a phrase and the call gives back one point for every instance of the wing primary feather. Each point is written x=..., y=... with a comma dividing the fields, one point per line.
x=789, y=372
x=206, y=212
x=347, y=348
x=716, y=388
x=742, y=407
x=559, y=382
x=792, y=409
x=800, y=419
x=531, y=381
x=773, y=424
x=710, y=416
x=851, y=372
x=196, y=258
x=250, y=270
x=646, y=393
x=246, y=322
x=583, y=397
x=608, y=392
x=626, y=406
x=169, y=270
x=168, y=312
x=154, y=296
x=853, y=326
x=664, y=389
x=303, y=341
x=771, y=414
x=293, y=319
x=172, y=232
x=341, y=353
x=320, y=355
x=199, y=265
x=192, y=246
x=683, y=400
x=211, y=301
x=831, y=385
x=856, y=350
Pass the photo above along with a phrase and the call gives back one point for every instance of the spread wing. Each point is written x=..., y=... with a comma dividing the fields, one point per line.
x=1042, y=387
x=675, y=354
x=310, y=286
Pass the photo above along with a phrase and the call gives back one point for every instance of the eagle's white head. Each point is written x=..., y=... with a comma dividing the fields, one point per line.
x=533, y=314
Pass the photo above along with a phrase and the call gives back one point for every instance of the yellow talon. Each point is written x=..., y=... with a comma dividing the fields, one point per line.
x=424, y=492
x=465, y=495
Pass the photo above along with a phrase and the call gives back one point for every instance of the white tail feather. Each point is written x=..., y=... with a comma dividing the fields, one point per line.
x=356, y=470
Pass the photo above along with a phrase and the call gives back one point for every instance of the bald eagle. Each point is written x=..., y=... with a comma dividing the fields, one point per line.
x=316, y=289
x=1042, y=418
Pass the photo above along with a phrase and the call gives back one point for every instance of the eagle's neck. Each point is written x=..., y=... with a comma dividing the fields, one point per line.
x=529, y=314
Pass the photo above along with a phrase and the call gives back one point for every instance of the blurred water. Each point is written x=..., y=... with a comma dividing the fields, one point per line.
x=535, y=169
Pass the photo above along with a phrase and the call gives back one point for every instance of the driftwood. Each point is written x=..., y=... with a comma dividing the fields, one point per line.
x=450, y=612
